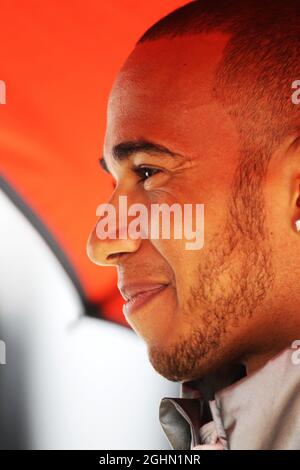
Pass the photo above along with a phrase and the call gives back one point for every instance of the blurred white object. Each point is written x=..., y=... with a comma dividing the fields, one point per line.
x=70, y=382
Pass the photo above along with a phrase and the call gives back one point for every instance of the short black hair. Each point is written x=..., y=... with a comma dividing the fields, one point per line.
x=260, y=62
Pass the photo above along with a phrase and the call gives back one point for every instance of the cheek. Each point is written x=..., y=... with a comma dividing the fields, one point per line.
x=173, y=254
x=170, y=251
x=183, y=264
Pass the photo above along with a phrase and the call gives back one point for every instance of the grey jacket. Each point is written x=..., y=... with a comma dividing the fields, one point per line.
x=259, y=411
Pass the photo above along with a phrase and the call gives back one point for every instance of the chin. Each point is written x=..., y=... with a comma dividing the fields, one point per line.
x=178, y=365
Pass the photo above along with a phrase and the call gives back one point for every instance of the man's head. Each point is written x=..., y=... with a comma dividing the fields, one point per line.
x=201, y=112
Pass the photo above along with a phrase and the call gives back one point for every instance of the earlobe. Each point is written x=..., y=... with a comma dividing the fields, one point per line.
x=297, y=221
x=297, y=225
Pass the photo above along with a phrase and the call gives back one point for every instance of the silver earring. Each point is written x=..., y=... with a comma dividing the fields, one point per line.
x=297, y=224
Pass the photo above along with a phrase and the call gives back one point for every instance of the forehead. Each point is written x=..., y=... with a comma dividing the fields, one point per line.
x=164, y=93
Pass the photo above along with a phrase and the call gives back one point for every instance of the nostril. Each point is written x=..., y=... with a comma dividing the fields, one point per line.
x=113, y=256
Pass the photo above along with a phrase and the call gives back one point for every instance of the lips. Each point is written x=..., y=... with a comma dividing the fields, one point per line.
x=130, y=291
x=136, y=295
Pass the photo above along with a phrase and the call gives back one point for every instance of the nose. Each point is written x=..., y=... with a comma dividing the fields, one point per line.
x=107, y=251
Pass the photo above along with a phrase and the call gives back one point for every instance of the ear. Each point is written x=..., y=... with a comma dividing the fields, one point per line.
x=295, y=147
x=297, y=212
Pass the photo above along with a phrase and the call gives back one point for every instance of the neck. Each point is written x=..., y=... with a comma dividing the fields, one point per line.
x=257, y=361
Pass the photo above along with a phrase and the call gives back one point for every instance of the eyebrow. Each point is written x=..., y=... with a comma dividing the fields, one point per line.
x=124, y=150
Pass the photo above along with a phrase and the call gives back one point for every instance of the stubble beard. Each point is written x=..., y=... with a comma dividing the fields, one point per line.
x=233, y=280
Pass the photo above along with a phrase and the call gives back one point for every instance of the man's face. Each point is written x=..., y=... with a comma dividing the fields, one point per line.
x=195, y=309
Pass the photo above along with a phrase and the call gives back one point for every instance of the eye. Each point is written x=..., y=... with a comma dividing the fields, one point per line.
x=145, y=172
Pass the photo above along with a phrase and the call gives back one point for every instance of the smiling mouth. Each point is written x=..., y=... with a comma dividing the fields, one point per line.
x=137, y=296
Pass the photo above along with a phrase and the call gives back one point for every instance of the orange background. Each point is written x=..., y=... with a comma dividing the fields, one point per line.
x=59, y=59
